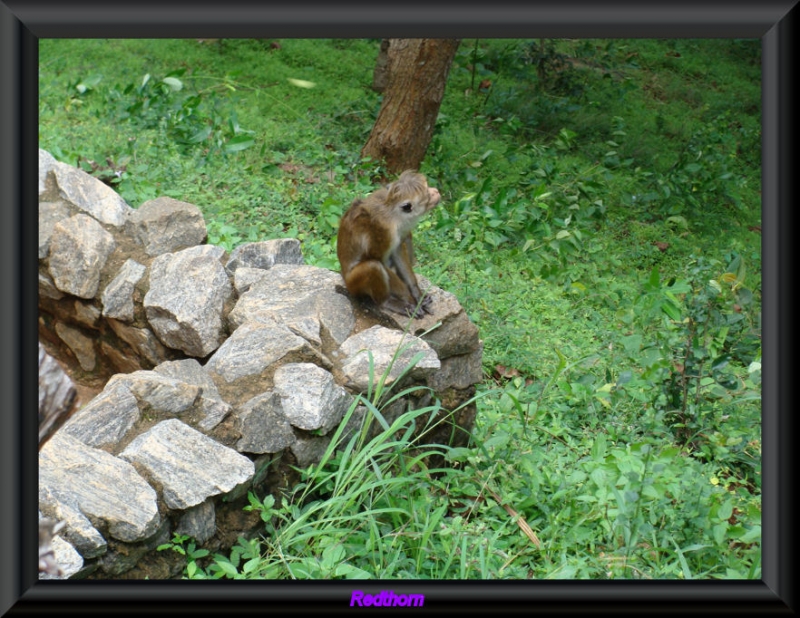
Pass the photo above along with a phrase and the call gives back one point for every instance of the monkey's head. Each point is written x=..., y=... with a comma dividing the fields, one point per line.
x=409, y=198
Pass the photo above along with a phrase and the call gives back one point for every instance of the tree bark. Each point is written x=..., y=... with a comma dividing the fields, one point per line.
x=380, y=77
x=418, y=71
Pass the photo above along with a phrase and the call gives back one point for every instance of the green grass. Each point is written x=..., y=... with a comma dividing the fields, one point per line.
x=600, y=224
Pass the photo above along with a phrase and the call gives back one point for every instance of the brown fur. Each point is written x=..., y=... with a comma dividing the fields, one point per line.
x=374, y=244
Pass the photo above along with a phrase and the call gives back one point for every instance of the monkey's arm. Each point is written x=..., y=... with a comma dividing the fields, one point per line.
x=401, y=263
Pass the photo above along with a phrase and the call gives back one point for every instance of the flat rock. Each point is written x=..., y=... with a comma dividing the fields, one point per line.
x=166, y=225
x=263, y=425
x=180, y=317
x=106, y=419
x=102, y=487
x=79, y=249
x=310, y=397
x=83, y=191
x=117, y=297
x=265, y=254
x=187, y=465
x=392, y=353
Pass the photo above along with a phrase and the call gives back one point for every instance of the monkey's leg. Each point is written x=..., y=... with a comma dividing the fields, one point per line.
x=372, y=279
x=369, y=278
x=401, y=299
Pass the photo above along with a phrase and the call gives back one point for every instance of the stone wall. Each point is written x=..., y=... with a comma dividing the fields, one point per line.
x=214, y=374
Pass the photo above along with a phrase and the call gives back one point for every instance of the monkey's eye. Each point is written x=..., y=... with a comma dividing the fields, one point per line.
x=406, y=206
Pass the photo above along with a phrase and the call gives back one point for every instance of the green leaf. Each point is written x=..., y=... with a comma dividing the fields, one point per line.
x=718, y=531
x=332, y=555
x=252, y=565
x=301, y=83
x=678, y=221
x=599, y=476
x=200, y=136
x=174, y=83
x=599, y=447
x=671, y=311
x=654, y=282
x=687, y=572
x=725, y=510
x=227, y=568
x=753, y=535
x=239, y=142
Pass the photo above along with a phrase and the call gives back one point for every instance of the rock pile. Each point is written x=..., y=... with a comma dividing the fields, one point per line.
x=216, y=373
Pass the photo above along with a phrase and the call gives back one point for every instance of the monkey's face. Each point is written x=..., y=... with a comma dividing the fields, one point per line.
x=409, y=198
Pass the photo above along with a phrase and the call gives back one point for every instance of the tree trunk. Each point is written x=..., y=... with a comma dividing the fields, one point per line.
x=380, y=76
x=418, y=71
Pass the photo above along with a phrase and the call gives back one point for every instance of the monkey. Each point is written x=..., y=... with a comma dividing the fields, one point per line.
x=374, y=244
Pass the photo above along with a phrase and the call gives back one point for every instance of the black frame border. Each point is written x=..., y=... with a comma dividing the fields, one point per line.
x=22, y=23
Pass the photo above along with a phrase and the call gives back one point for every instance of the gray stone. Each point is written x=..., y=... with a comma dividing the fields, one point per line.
x=166, y=225
x=265, y=254
x=142, y=340
x=310, y=397
x=50, y=213
x=188, y=291
x=46, y=163
x=57, y=394
x=455, y=335
x=159, y=392
x=391, y=351
x=106, y=419
x=244, y=278
x=67, y=558
x=288, y=294
x=191, y=372
x=47, y=288
x=263, y=425
x=459, y=372
x=120, y=558
x=211, y=407
x=211, y=412
x=86, y=314
x=198, y=522
x=100, y=486
x=78, y=530
x=117, y=297
x=79, y=248
x=86, y=193
x=187, y=465
x=253, y=348
x=310, y=450
x=81, y=345
x=123, y=362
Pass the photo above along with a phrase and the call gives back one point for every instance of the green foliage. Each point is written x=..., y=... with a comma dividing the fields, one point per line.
x=699, y=353
x=363, y=511
x=186, y=546
x=600, y=224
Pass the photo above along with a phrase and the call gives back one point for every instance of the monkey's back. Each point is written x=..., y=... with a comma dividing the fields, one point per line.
x=363, y=235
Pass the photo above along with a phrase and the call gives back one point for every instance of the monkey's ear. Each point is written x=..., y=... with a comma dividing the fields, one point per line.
x=407, y=176
x=393, y=190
